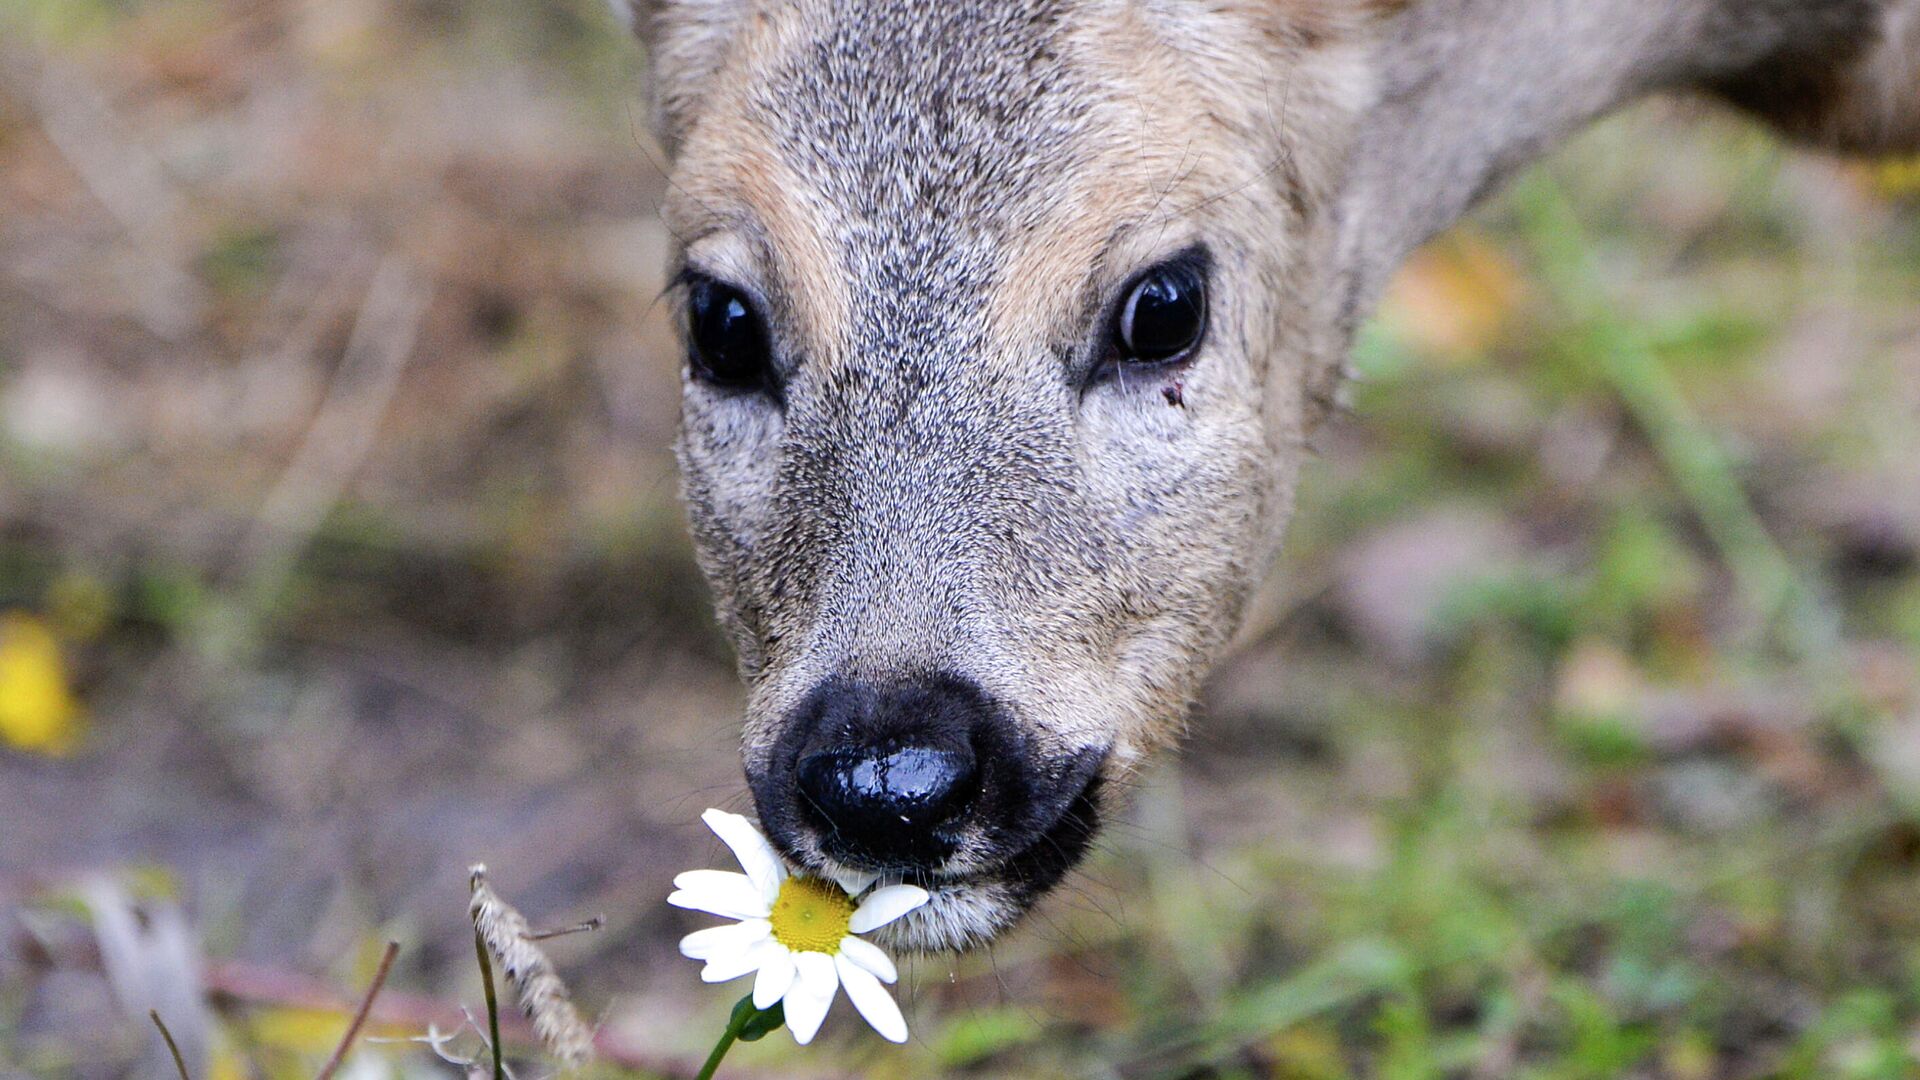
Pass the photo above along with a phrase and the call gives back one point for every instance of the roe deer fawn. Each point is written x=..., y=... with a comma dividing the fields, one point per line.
x=1007, y=322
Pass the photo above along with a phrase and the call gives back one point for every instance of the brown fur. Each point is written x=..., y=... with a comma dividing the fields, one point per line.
x=934, y=203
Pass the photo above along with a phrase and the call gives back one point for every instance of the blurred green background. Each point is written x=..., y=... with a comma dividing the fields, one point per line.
x=1576, y=736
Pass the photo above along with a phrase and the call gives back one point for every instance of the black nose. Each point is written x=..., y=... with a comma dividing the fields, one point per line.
x=887, y=776
x=887, y=804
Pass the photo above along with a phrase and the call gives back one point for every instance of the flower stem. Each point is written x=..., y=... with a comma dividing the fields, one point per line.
x=747, y=1024
x=727, y=1037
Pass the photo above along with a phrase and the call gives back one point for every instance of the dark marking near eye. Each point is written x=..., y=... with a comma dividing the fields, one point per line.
x=1175, y=393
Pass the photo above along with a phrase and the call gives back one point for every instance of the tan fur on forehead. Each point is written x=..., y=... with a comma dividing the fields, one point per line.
x=730, y=178
x=1191, y=122
x=1223, y=110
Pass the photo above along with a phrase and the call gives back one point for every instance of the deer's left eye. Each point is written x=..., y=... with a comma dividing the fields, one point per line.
x=1164, y=315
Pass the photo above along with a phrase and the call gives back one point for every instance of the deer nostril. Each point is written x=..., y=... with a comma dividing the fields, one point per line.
x=911, y=782
x=887, y=804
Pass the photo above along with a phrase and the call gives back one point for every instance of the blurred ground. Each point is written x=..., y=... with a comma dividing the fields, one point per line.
x=1578, y=735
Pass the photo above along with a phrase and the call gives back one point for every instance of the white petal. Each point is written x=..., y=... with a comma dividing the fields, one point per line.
x=756, y=855
x=710, y=879
x=885, y=905
x=869, y=956
x=719, y=892
x=734, y=965
x=723, y=940
x=814, y=984
x=776, y=976
x=723, y=906
x=871, y=999
x=853, y=881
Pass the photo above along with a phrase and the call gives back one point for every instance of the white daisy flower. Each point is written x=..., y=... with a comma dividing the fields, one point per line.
x=796, y=932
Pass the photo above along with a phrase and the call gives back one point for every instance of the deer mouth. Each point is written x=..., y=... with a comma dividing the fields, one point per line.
x=932, y=781
x=969, y=909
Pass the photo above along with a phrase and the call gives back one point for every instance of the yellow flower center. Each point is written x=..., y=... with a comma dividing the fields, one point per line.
x=811, y=915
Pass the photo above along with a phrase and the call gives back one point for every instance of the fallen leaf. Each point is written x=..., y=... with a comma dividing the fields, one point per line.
x=1454, y=296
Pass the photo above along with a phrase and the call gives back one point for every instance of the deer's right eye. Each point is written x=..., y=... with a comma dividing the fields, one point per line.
x=1165, y=312
x=727, y=337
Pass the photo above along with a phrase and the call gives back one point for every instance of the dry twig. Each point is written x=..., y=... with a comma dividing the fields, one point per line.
x=360, y=1015
x=236, y=982
x=179, y=1063
x=594, y=923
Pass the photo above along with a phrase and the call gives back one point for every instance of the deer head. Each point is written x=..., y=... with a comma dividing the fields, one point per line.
x=1006, y=327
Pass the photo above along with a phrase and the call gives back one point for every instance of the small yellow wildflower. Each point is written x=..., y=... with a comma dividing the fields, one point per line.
x=37, y=709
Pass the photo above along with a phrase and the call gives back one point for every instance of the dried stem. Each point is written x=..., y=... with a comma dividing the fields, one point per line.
x=493, y=1004
x=360, y=1014
x=179, y=1063
x=232, y=985
x=245, y=984
x=594, y=923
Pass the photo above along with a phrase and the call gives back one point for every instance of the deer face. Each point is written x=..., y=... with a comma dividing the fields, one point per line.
x=1001, y=351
